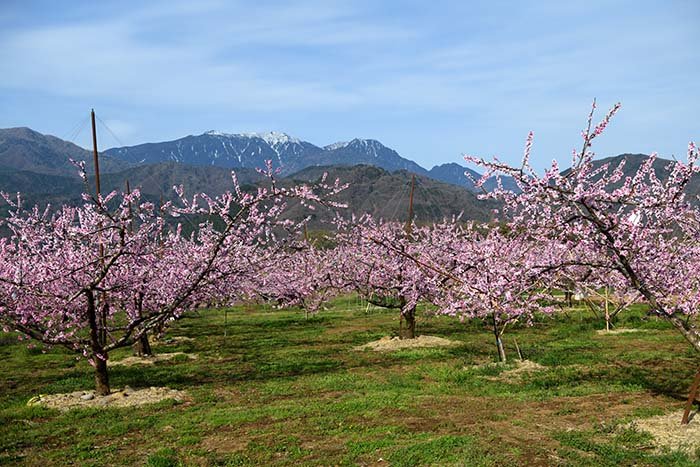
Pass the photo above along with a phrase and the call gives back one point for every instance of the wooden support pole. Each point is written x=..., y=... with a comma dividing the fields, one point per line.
x=131, y=216
x=409, y=222
x=691, y=398
x=95, y=156
x=517, y=347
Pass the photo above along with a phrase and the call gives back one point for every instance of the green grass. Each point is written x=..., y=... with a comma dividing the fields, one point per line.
x=283, y=390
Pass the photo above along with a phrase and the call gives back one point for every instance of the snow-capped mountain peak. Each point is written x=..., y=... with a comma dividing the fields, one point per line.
x=273, y=138
x=251, y=150
x=338, y=145
x=357, y=143
x=218, y=133
x=370, y=146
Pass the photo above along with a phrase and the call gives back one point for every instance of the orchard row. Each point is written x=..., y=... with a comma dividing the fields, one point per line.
x=107, y=274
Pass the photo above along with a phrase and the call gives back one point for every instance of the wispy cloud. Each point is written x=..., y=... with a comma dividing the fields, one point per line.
x=463, y=75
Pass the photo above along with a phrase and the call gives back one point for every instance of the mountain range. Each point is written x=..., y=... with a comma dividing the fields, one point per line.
x=28, y=150
x=252, y=150
x=40, y=167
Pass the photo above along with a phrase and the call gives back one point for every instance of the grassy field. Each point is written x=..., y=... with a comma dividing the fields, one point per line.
x=282, y=390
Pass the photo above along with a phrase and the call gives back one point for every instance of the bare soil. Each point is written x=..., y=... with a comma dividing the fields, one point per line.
x=149, y=360
x=612, y=332
x=387, y=344
x=174, y=340
x=126, y=397
x=522, y=367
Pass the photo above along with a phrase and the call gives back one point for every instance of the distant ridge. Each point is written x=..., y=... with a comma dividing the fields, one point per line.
x=28, y=150
x=251, y=150
x=39, y=166
x=25, y=149
x=288, y=154
x=384, y=194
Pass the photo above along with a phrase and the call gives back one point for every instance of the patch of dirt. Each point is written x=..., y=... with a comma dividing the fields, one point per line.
x=669, y=433
x=174, y=340
x=387, y=344
x=126, y=397
x=225, y=443
x=522, y=367
x=612, y=332
x=525, y=424
x=149, y=360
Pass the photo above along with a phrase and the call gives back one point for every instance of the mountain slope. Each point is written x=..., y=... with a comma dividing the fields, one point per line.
x=221, y=150
x=364, y=151
x=252, y=150
x=385, y=195
x=634, y=161
x=372, y=190
x=24, y=149
x=157, y=180
x=455, y=174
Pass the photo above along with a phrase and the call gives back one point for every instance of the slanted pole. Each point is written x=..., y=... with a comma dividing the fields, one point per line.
x=691, y=398
x=409, y=222
x=95, y=157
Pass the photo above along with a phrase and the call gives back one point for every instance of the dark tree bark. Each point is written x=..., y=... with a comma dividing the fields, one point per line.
x=142, y=347
x=101, y=377
x=409, y=331
x=99, y=356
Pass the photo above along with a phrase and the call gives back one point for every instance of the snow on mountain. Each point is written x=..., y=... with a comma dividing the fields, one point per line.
x=216, y=148
x=289, y=154
x=338, y=145
x=251, y=150
x=272, y=138
x=24, y=149
x=365, y=151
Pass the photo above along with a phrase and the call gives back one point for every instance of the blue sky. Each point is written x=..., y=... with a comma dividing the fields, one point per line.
x=432, y=80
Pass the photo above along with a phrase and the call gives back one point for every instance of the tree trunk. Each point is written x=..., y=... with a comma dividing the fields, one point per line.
x=499, y=341
x=142, y=347
x=501, y=350
x=99, y=356
x=409, y=331
x=101, y=377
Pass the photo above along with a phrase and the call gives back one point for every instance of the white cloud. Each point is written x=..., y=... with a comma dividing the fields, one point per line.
x=495, y=70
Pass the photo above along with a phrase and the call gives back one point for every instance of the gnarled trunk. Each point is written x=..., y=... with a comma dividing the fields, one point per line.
x=142, y=347
x=409, y=331
x=101, y=377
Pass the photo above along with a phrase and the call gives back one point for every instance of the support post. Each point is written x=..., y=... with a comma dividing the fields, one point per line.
x=95, y=156
x=409, y=222
x=691, y=398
